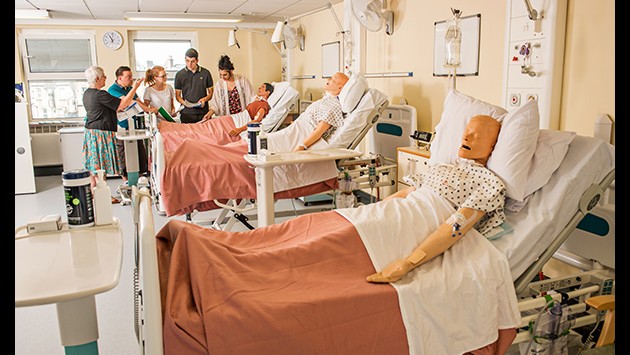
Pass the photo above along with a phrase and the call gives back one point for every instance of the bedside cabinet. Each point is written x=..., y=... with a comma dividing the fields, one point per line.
x=410, y=160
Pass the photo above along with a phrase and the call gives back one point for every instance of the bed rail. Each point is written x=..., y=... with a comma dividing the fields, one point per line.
x=589, y=200
x=147, y=304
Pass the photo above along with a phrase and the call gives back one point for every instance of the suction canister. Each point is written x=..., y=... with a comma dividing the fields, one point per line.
x=78, y=196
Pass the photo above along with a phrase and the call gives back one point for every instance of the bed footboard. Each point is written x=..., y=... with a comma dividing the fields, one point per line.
x=147, y=303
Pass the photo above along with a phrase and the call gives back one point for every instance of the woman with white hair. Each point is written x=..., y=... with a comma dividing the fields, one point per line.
x=99, y=144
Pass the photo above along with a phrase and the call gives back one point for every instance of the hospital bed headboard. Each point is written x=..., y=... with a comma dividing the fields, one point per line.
x=359, y=122
x=392, y=130
x=281, y=101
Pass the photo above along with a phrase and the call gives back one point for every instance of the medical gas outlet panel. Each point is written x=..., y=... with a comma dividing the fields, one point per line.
x=534, y=52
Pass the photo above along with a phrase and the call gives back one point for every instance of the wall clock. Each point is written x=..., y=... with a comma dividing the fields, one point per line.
x=112, y=39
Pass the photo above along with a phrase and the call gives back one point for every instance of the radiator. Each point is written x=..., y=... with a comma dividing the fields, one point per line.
x=46, y=143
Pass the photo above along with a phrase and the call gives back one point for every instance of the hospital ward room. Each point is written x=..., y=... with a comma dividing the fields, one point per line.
x=396, y=177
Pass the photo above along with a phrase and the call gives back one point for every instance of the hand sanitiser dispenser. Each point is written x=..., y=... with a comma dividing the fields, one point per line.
x=102, y=201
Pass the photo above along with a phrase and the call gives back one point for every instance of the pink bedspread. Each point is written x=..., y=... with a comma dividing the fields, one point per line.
x=292, y=288
x=203, y=163
x=215, y=130
x=297, y=287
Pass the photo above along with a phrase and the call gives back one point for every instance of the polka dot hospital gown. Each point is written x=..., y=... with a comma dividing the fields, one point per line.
x=471, y=185
x=328, y=109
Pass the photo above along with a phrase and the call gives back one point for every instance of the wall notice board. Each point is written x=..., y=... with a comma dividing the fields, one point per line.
x=469, y=50
x=331, y=58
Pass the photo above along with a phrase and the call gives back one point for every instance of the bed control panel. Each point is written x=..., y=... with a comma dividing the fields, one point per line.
x=562, y=284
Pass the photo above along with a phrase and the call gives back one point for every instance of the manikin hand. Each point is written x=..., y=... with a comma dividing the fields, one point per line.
x=392, y=272
x=236, y=131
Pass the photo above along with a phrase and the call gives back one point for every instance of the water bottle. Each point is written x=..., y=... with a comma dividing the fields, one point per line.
x=253, y=129
x=453, y=40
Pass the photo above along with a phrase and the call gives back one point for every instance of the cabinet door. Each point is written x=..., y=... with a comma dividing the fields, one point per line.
x=410, y=164
x=24, y=173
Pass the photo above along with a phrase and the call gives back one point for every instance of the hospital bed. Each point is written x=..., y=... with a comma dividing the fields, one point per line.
x=282, y=101
x=447, y=294
x=221, y=174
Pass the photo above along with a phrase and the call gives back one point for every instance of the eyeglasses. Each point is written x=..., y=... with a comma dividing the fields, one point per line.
x=162, y=76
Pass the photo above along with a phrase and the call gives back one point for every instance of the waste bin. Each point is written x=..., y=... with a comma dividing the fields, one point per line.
x=71, y=147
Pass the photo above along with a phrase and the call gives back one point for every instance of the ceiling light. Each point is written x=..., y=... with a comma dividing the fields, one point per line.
x=31, y=14
x=278, y=35
x=181, y=17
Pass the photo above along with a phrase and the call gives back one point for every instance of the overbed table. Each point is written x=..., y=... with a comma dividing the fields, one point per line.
x=131, y=151
x=264, y=174
x=69, y=267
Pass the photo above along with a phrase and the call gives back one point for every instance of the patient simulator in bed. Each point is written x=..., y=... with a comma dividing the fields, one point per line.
x=469, y=186
x=201, y=171
x=257, y=109
x=167, y=136
x=301, y=284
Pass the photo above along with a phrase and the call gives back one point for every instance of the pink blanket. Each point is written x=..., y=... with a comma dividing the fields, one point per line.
x=198, y=172
x=215, y=130
x=292, y=288
x=296, y=287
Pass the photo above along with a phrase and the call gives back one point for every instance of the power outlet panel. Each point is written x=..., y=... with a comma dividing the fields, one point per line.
x=534, y=52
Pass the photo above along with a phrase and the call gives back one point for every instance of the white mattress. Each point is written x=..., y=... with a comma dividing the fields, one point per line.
x=551, y=208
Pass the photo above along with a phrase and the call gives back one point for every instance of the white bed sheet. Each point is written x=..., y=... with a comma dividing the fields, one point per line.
x=287, y=177
x=550, y=208
x=454, y=303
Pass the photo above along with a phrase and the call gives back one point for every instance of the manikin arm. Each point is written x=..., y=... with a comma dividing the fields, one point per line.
x=447, y=234
x=317, y=133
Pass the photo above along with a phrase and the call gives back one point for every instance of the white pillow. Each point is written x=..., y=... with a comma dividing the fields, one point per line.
x=278, y=91
x=512, y=155
x=352, y=92
x=458, y=110
x=551, y=149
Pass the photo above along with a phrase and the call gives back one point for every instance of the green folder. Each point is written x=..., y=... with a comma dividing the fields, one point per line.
x=165, y=114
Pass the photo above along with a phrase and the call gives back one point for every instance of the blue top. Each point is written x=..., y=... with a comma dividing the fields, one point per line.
x=118, y=91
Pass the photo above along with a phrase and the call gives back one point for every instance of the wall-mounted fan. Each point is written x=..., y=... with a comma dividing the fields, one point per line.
x=293, y=37
x=371, y=15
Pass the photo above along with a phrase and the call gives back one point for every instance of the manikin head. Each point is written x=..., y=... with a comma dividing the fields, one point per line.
x=335, y=83
x=265, y=90
x=479, y=138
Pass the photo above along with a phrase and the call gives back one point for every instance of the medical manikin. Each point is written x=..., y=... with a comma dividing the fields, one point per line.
x=485, y=191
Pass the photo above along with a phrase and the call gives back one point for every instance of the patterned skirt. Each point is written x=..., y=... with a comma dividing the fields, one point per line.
x=99, y=152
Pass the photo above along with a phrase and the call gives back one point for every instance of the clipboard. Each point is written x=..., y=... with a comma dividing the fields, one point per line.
x=165, y=114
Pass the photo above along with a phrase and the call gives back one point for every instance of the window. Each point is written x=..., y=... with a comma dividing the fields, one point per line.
x=167, y=49
x=160, y=48
x=54, y=63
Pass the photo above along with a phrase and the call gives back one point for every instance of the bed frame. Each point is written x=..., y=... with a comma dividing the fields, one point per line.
x=233, y=210
x=588, y=202
x=157, y=147
x=576, y=287
x=581, y=286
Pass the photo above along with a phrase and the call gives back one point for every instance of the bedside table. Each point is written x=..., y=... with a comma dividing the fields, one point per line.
x=410, y=160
